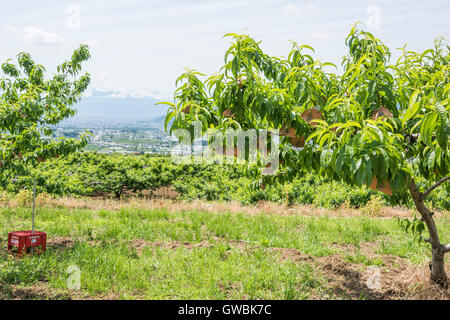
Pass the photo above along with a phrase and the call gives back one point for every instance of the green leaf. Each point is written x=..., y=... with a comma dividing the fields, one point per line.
x=442, y=134
x=235, y=67
x=323, y=157
x=349, y=124
x=340, y=161
x=368, y=165
x=413, y=107
x=427, y=126
x=169, y=117
x=361, y=175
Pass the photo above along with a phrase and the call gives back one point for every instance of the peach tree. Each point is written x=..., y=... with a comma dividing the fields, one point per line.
x=373, y=123
x=30, y=107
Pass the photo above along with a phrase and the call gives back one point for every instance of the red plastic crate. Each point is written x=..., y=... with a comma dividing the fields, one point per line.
x=26, y=239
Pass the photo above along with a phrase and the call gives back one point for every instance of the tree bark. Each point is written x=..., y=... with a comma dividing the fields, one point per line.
x=438, y=250
x=119, y=193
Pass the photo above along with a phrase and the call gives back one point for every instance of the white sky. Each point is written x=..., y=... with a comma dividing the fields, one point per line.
x=140, y=47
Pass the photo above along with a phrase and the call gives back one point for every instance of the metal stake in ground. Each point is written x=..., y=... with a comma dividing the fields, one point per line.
x=34, y=206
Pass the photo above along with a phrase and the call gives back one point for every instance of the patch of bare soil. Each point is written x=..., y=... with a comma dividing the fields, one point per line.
x=165, y=192
x=60, y=243
x=140, y=244
x=396, y=279
x=402, y=282
x=41, y=291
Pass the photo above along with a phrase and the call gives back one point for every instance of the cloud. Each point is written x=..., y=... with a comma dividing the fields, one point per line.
x=310, y=6
x=91, y=43
x=120, y=95
x=138, y=93
x=37, y=37
x=290, y=9
x=11, y=29
x=88, y=93
x=110, y=91
x=320, y=35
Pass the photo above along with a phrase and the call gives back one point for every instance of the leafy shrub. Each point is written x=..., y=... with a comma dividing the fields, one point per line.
x=24, y=198
x=90, y=173
x=373, y=206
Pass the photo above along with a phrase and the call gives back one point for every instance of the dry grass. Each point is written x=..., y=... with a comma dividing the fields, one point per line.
x=416, y=281
x=400, y=278
x=265, y=207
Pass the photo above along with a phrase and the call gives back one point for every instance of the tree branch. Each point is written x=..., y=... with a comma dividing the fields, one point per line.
x=437, y=184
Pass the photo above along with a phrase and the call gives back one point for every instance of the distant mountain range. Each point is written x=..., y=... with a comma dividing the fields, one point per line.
x=106, y=107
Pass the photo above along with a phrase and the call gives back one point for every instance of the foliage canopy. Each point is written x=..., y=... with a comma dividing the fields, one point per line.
x=379, y=123
x=30, y=106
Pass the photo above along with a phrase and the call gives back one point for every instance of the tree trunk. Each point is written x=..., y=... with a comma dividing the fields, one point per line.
x=438, y=250
x=119, y=193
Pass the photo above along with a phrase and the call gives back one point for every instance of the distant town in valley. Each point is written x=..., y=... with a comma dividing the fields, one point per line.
x=132, y=139
x=123, y=125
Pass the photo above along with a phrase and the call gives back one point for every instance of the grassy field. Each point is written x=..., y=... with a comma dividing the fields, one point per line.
x=171, y=250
